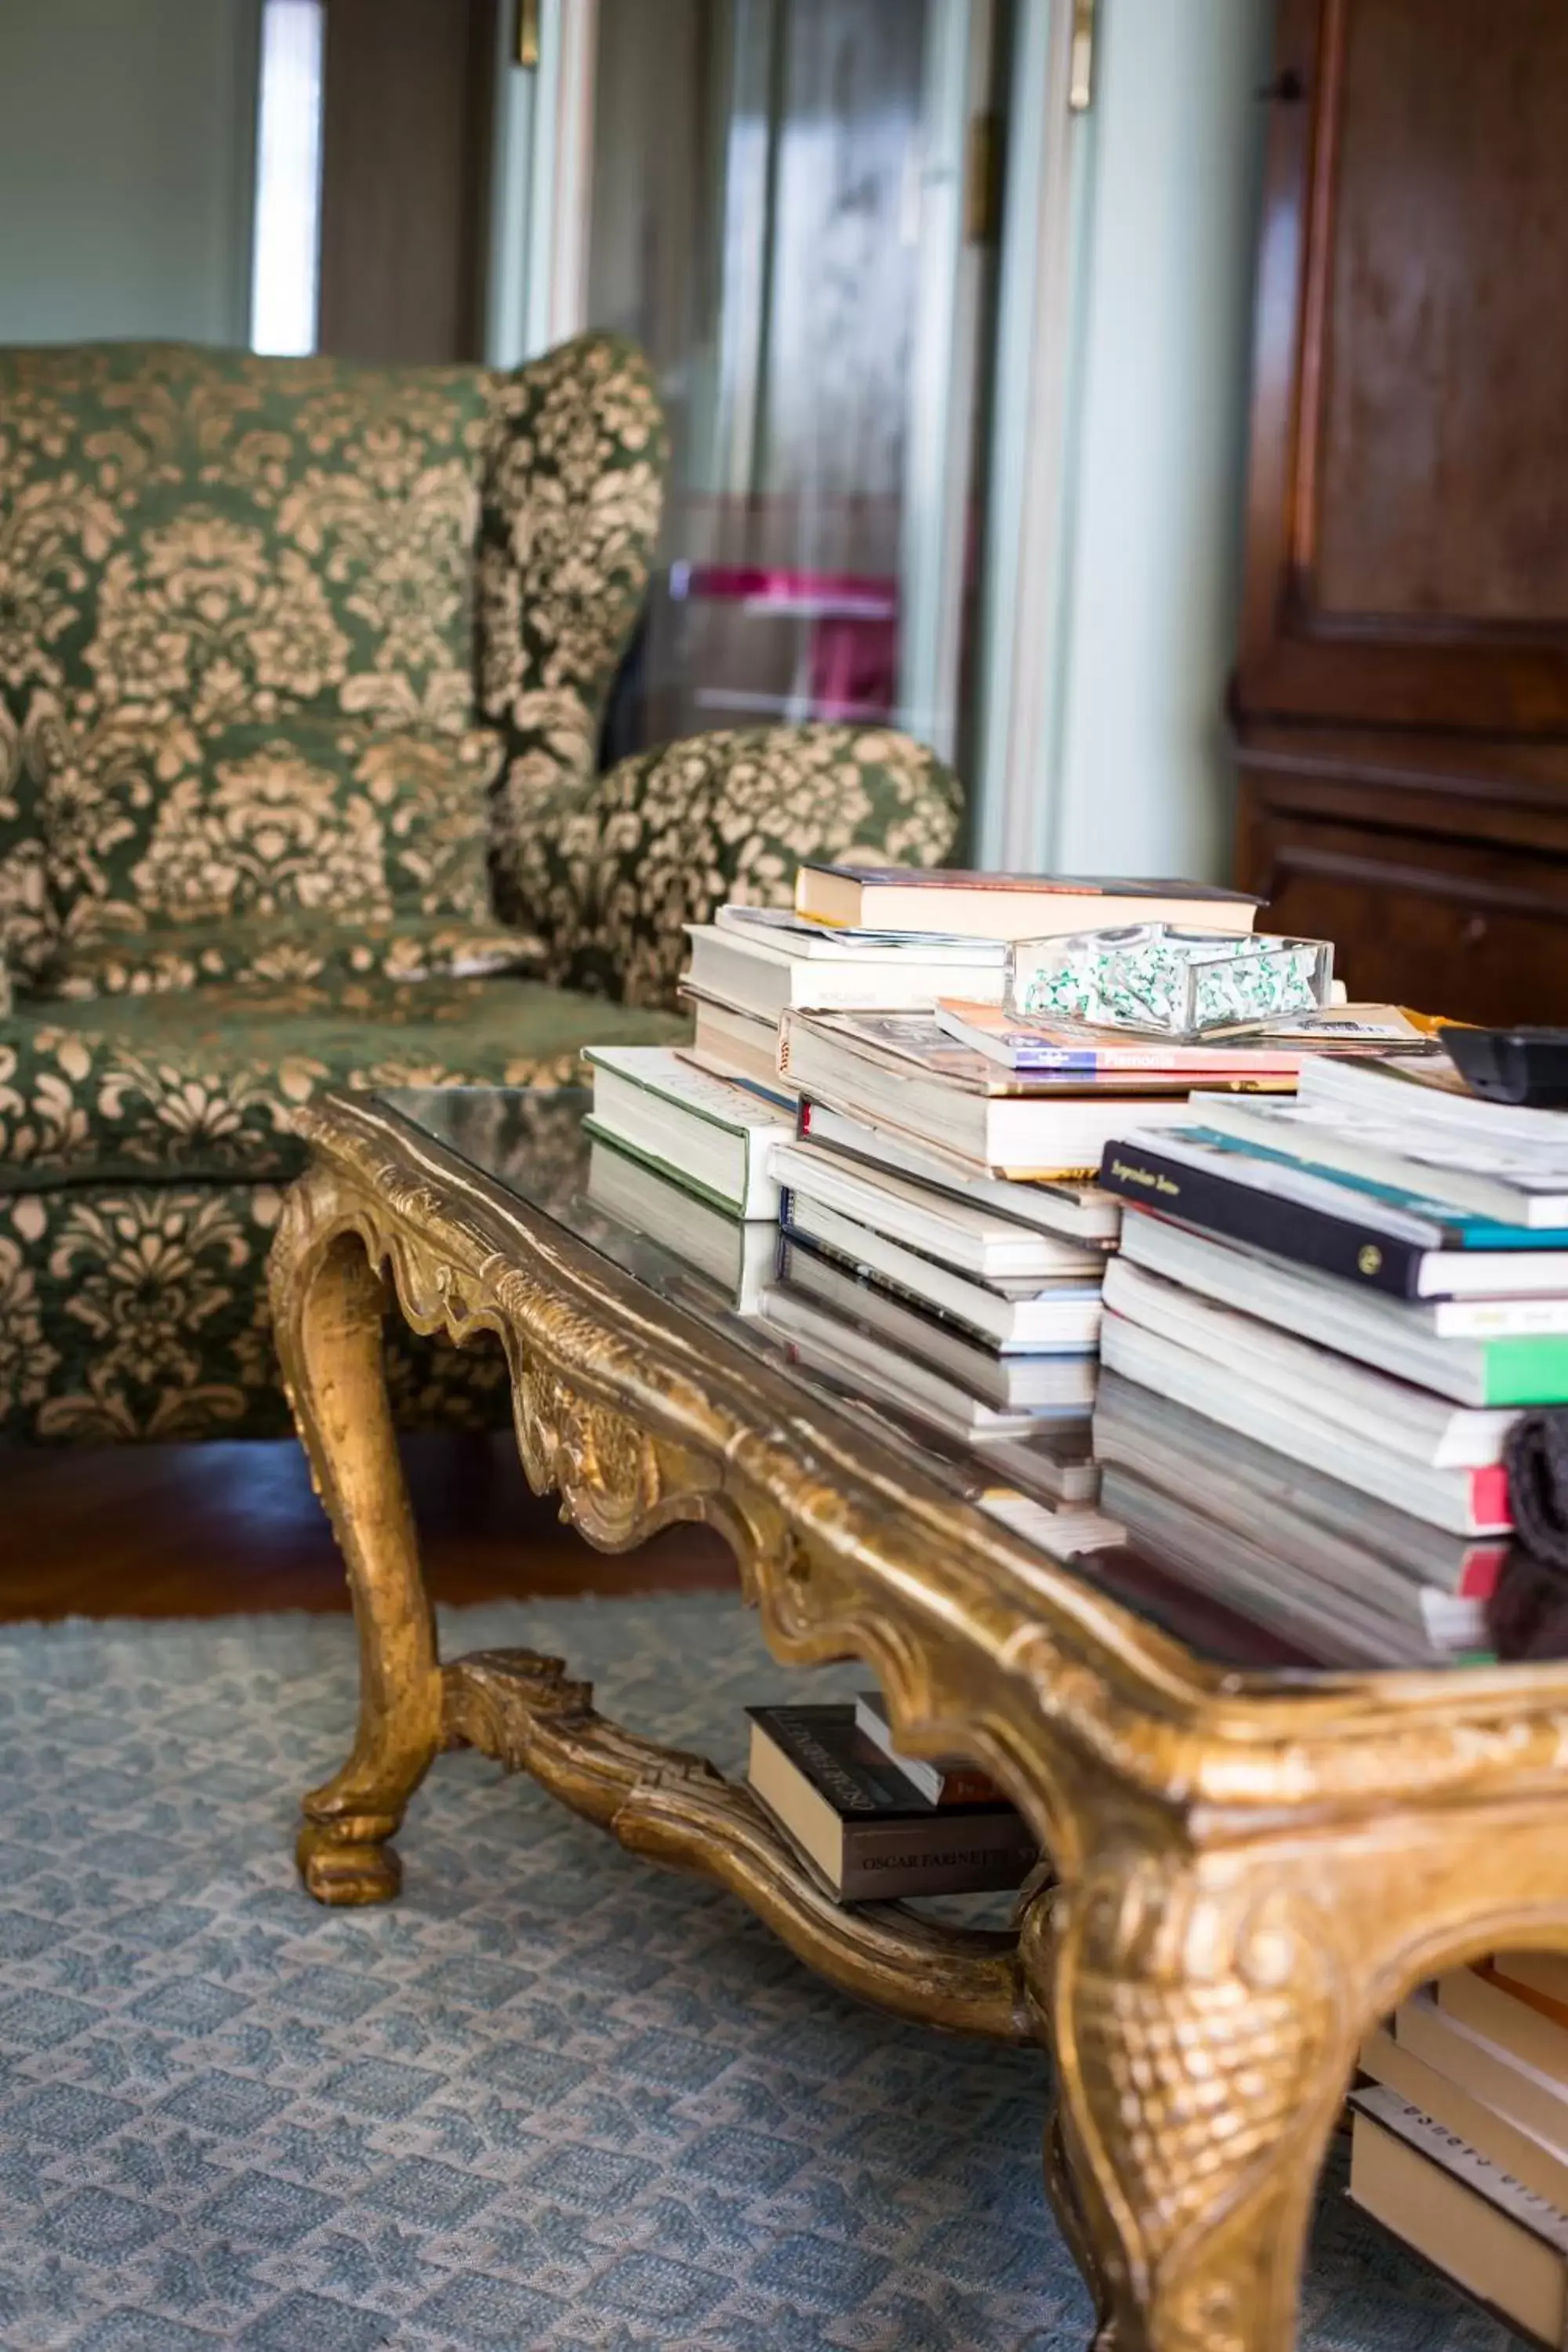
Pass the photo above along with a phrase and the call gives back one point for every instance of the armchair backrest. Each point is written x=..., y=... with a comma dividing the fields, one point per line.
x=209, y=535
x=196, y=540
x=573, y=497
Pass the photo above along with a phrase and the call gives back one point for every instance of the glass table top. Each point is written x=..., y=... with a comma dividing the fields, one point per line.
x=1248, y=1559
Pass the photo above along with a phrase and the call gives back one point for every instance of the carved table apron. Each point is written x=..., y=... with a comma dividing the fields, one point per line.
x=1249, y=1870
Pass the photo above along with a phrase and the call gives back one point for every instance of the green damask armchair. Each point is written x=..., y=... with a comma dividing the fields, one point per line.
x=302, y=670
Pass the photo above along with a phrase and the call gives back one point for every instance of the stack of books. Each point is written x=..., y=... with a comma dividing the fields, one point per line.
x=1370, y=1280
x=875, y=1826
x=944, y=1242
x=896, y=940
x=681, y=1138
x=752, y=965
x=683, y=1156
x=929, y=1158
x=1459, y=2140
x=1336, y=1577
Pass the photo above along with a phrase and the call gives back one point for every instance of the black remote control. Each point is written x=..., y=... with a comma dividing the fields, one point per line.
x=1525, y=1065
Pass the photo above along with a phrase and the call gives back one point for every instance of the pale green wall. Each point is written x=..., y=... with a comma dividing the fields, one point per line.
x=126, y=156
x=1158, y=463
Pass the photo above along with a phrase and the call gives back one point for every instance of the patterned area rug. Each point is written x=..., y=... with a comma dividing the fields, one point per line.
x=553, y=2098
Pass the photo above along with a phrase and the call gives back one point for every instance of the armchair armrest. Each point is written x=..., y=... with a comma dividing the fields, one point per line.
x=666, y=837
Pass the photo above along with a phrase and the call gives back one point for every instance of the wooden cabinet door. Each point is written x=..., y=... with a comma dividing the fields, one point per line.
x=1407, y=526
x=407, y=93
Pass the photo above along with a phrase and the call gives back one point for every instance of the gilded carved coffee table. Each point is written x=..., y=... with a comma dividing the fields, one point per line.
x=1252, y=1859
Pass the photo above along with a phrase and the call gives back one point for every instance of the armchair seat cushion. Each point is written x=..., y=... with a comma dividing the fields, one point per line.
x=173, y=1088
x=298, y=952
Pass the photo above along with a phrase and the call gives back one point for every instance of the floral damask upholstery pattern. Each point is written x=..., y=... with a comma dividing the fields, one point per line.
x=302, y=672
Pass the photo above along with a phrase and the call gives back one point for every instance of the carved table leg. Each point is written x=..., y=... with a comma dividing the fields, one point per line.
x=327, y=1308
x=1203, y=2047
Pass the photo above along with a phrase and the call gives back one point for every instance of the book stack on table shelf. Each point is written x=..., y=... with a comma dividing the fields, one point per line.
x=1371, y=1280
x=1459, y=2142
x=876, y=1826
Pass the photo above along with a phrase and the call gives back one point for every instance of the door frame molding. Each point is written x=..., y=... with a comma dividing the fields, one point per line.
x=542, y=183
x=1021, y=668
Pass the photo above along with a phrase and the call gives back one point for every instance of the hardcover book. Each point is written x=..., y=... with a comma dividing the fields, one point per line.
x=950, y=1782
x=753, y=976
x=863, y=1827
x=1464, y=1501
x=1078, y=1212
x=1008, y=906
x=1495, y=1175
x=738, y=1046
x=707, y=1134
x=1473, y=2220
x=904, y=1076
x=791, y=934
x=1029, y=1314
x=1253, y=1487
x=912, y=1334
x=1418, y=2061
x=739, y=1253
x=1335, y=1389
x=854, y=1356
x=960, y=1234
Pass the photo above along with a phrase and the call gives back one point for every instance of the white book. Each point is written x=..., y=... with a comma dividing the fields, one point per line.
x=1411, y=1422
x=1023, y=1316
x=901, y=1073
x=1465, y=2214
x=1447, y=1346
x=1079, y=1212
x=1465, y=1502
x=955, y=1232
x=1253, y=1487
x=848, y=1351
x=789, y=934
x=1384, y=1090
x=1011, y=1383
x=710, y=1135
x=1353, y=1614
x=739, y=1253
x=1529, y=2158
x=754, y=976
x=1517, y=1183
x=1510, y=2086
x=739, y=1047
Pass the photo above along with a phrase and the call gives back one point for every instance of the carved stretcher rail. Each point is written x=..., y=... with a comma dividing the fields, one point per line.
x=679, y=1808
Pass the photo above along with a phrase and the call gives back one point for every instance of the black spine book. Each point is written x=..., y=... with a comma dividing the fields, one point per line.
x=864, y=1829
x=851, y=1772
x=1355, y=1250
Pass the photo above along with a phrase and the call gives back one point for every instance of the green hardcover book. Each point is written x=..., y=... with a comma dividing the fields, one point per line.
x=706, y=1133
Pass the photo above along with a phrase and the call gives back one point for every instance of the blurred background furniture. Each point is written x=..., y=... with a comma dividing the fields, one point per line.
x=1401, y=703
x=305, y=667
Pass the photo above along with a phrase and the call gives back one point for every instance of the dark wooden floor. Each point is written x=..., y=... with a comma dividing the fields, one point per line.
x=216, y=1531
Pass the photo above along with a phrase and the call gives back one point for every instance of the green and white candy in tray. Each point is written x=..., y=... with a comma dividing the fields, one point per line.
x=1169, y=982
